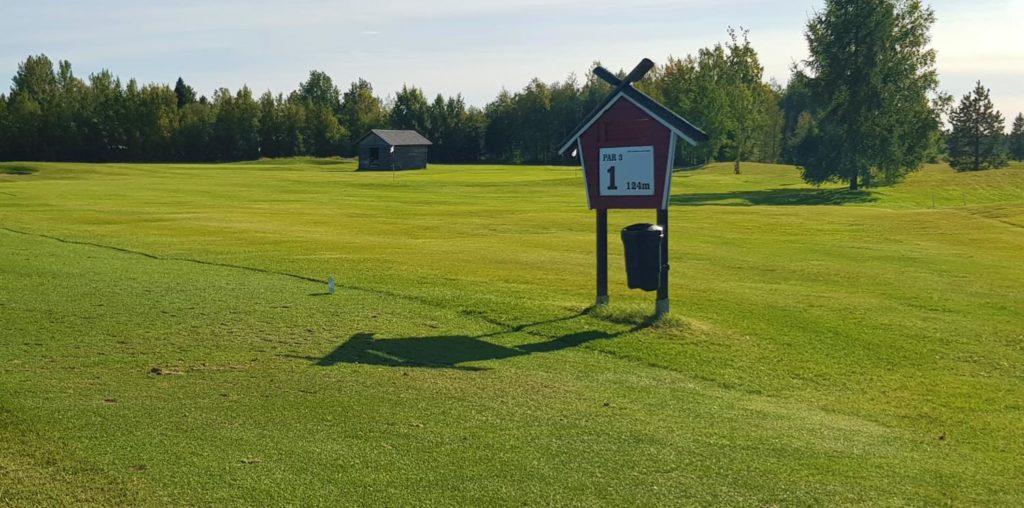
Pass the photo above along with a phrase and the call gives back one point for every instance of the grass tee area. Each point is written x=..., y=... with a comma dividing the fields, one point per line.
x=165, y=338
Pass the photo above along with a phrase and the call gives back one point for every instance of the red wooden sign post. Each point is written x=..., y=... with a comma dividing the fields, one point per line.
x=627, y=146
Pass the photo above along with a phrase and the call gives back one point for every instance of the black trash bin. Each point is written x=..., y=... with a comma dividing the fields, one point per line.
x=642, y=245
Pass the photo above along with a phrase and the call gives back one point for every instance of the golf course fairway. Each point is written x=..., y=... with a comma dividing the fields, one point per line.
x=167, y=337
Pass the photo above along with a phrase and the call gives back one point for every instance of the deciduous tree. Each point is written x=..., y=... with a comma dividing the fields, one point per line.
x=319, y=91
x=193, y=139
x=236, y=133
x=324, y=136
x=750, y=104
x=409, y=110
x=871, y=74
x=360, y=112
x=455, y=130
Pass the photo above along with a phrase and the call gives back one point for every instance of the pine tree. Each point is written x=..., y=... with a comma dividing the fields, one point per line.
x=1017, y=138
x=976, y=141
x=186, y=94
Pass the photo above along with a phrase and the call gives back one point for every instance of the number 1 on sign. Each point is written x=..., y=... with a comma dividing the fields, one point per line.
x=611, y=178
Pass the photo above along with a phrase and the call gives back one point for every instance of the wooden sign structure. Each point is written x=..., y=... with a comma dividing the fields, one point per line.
x=627, y=147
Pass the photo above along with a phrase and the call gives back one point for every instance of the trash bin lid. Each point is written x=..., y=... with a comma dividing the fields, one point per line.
x=642, y=227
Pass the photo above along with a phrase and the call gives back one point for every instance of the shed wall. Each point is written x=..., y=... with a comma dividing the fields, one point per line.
x=404, y=157
x=410, y=157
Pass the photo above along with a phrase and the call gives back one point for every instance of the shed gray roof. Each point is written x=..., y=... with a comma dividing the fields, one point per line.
x=399, y=138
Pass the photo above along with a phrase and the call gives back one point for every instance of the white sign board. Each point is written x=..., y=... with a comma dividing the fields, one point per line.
x=627, y=171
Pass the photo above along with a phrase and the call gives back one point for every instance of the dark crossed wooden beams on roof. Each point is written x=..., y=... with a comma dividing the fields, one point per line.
x=634, y=75
x=624, y=88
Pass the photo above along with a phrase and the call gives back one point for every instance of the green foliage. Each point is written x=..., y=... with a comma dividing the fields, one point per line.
x=751, y=104
x=500, y=137
x=236, y=127
x=193, y=138
x=797, y=103
x=105, y=129
x=360, y=112
x=186, y=94
x=281, y=126
x=942, y=105
x=533, y=106
x=35, y=79
x=319, y=91
x=409, y=110
x=976, y=141
x=34, y=86
x=710, y=96
x=871, y=76
x=7, y=128
x=528, y=125
x=1016, y=141
x=151, y=117
x=721, y=90
x=457, y=132
x=53, y=115
x=324, y=135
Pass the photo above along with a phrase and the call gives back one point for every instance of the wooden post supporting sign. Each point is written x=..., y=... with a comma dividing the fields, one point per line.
x=602, y=258
x=661, y=304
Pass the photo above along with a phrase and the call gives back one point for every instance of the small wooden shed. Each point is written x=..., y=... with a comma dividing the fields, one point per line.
x=393, y=149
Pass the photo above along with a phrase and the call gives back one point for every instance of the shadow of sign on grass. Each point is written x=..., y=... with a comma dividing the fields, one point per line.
x=449, y=351
x=775, y=197
x=16, y=169
x=440, y=352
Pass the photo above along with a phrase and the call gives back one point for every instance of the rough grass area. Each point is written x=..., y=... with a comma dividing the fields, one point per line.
x=166, y=338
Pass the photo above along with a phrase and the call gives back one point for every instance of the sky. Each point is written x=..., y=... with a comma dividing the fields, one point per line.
x=473, y=47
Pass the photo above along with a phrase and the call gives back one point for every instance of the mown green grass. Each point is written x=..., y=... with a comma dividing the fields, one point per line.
x=165, y=339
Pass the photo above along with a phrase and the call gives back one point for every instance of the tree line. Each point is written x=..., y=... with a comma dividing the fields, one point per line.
x=864, y=109
x=52, y=114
